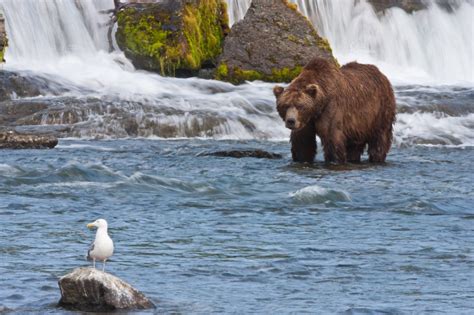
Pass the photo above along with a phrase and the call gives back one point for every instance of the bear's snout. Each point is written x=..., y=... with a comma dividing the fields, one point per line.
x=291, y=118
x=291, y=123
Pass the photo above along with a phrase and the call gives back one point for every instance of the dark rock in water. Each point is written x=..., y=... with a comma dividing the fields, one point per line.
x=412, y=5
x=13, y=85
x=91, y=290
x=173, y=37
x=13, y=140
x=259, y=154
x=272, y=43
x=3, y=38
x=407, y=5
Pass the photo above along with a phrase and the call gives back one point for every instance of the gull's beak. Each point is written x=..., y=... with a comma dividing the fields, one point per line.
x=90, y=225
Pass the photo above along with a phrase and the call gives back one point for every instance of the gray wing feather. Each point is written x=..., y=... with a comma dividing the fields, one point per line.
x=89, y=252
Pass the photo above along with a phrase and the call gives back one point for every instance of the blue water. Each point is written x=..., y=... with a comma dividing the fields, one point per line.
x=201, y=234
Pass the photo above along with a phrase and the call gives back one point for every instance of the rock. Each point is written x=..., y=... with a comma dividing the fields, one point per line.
x=272, y=43
x=259, y=154
x=173, y=37
x=407, y=5
x=411, y=6
x=13, y=140
x=91, y=290
x=3, y=38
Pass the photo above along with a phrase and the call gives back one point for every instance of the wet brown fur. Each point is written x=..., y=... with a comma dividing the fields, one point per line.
x=348, y=108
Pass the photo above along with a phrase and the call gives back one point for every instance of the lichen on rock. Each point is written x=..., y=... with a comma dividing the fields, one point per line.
x=272, y=43
x=173, y=37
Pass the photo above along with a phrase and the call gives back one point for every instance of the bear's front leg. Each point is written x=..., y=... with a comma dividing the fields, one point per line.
x=303, y=143
x=335, y=149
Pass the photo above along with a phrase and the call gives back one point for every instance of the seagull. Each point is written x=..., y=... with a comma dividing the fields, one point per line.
x=103, y=246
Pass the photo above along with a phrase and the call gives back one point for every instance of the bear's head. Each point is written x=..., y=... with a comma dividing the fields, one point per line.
x=297, y=106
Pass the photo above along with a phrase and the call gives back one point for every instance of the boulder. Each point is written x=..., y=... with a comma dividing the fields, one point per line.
x=13, y=140
x=13, y=85
x=173, y=37
x=3, y=38
x=411, y=6
x=272, y=43
x=91, y=290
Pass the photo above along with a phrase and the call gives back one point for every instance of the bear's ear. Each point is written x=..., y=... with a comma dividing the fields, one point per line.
x=312, y=90
x=277, y=90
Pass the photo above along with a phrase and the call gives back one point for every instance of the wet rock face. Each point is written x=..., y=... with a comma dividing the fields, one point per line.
x=3, y=38
x=13, y=85
x=91, y=290
x=411, y=5
x=13, y=140
x=407, y=5
x=172, y=37
x=272, y=43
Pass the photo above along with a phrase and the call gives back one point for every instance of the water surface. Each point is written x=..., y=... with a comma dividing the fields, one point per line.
x=201, y=234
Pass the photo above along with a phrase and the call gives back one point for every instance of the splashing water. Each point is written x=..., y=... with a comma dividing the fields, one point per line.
x=431, y=46
x=66, y=42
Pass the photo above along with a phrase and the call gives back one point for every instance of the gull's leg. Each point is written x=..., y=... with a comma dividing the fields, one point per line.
x=103, y=265
x=93, y=259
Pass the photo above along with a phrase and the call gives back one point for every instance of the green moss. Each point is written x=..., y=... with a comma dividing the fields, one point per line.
x=285, y=74
x=241, y=75
x=204, y=34
x=292, y=6
x=222, y=72
x=323, y=44
x=293, y=38
x=3, y=48
x=238, y=75
x=155, y=40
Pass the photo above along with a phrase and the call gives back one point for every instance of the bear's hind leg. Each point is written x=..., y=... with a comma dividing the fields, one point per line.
x=354, y=151
x=303, y=143
x=379, y=146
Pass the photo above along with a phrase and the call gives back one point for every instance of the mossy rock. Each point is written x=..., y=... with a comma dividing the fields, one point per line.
x=272, y=43
x=3, y=39
x=173, y=37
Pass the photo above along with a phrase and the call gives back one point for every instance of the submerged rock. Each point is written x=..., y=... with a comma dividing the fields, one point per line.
x=3, y=38
x=259, y=154
x=272, y=43
x=173, y=37
x=13, y=140
x=91, y=290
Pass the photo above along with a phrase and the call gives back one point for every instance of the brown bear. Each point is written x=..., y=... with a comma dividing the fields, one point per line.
x=347, y=107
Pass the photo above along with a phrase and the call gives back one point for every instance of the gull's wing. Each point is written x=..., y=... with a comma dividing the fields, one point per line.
x=89, y=251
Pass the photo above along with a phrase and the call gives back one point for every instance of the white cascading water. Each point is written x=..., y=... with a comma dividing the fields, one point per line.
x=431, y=46
x=66, y=41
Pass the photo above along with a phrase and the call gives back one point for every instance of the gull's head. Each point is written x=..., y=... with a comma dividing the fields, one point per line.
x=100, y=224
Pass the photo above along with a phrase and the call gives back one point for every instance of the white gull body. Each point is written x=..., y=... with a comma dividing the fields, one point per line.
x=103, y=246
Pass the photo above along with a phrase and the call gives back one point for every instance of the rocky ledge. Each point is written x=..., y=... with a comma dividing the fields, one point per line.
x=91, y=290
x=13, y=140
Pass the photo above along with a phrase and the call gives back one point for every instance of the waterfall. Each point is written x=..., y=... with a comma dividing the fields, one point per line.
x=98, y=93
x=431, y=46
x=43, y=31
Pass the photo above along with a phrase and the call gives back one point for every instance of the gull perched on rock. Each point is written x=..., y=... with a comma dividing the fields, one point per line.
x=103, y=246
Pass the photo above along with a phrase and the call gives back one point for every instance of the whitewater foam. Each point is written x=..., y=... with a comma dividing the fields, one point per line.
x=432, y=46
x=318, y=194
